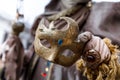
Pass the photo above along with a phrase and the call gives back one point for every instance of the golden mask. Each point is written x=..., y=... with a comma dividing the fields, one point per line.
x=60, y=40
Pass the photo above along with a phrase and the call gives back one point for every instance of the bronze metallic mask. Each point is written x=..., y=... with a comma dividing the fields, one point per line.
x=60, y=40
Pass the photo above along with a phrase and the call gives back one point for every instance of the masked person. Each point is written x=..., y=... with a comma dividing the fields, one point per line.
x=79, y=10
x=52, y=9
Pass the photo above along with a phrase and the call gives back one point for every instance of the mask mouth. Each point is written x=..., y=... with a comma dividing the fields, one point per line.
x=45, y=43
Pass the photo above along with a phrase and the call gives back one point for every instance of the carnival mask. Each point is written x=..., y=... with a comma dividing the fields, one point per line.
x=60, y=40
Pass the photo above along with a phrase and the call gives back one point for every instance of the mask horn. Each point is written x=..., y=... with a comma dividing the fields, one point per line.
x=41, y=25
x=72, y=26
x=52, y=26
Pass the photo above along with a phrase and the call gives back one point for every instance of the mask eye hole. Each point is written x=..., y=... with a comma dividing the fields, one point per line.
x=67, y=52
x=45, y=43
x=41, y=30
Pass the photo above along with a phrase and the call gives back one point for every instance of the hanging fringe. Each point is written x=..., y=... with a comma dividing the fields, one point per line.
x=105, y=71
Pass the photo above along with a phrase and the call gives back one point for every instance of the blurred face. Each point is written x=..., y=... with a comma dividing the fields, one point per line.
x=70, y=3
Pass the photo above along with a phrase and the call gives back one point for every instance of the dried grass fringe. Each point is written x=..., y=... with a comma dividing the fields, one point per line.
x=105, y=71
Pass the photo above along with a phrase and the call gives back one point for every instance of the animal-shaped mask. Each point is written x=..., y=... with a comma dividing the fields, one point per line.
x=60, y=40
